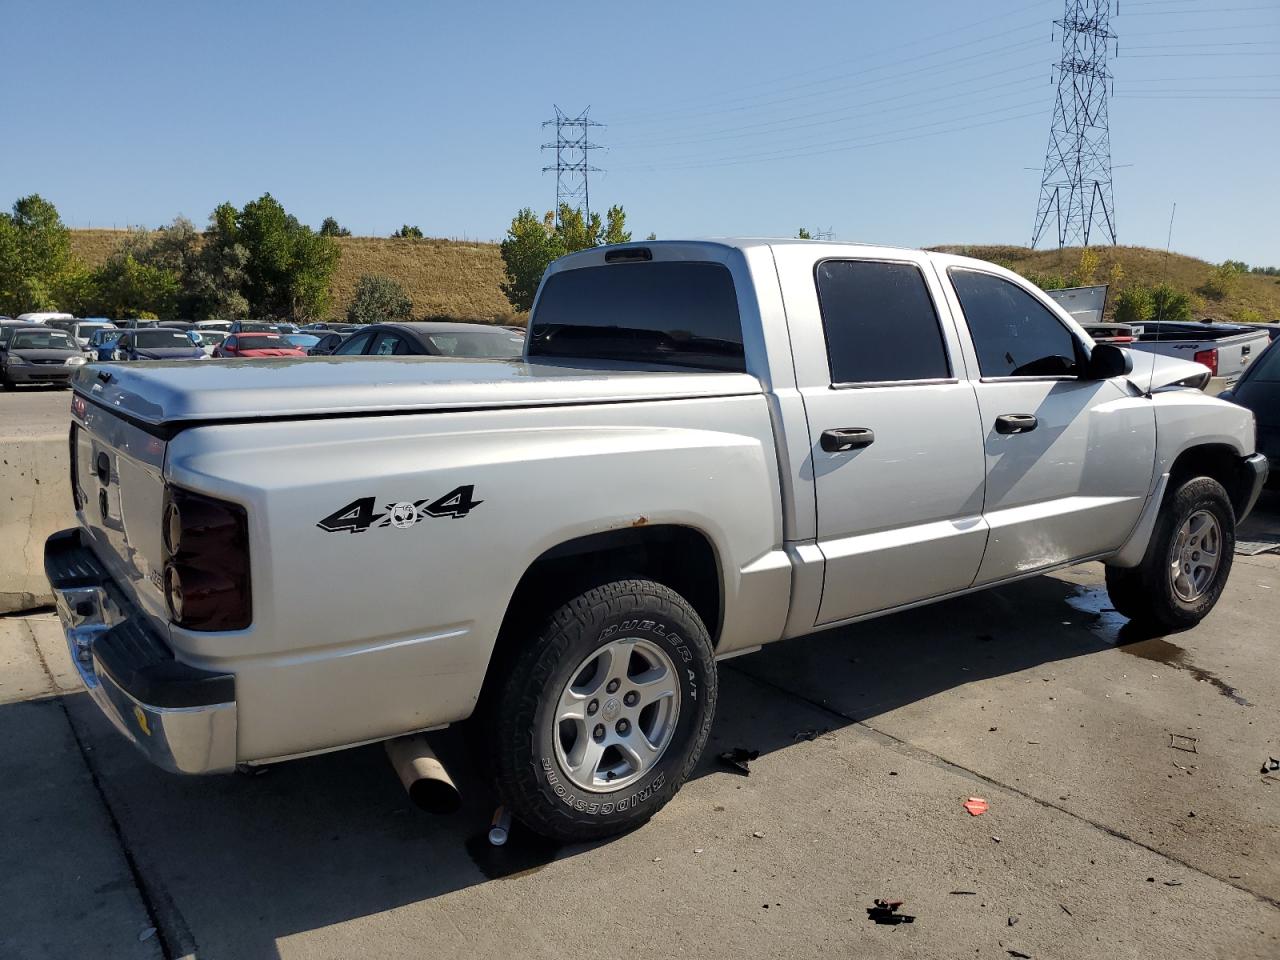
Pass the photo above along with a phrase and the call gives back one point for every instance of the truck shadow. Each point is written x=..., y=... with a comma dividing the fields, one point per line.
x=232, y=865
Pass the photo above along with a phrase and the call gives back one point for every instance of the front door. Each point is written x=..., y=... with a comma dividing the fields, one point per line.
x=1068, y=461
x=896, y=443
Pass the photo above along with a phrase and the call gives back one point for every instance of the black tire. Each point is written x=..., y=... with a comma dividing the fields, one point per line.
x=529, y=776
x=1145, y=593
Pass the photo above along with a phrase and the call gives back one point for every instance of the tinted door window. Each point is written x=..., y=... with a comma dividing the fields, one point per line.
x=661, y=311
x=879, y=322
x=1014, y=334
x=355, y=345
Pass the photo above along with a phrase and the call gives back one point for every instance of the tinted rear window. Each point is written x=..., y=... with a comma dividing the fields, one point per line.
x=665, y=311
x=507, y=343
x=161, y=338
x=880, y=323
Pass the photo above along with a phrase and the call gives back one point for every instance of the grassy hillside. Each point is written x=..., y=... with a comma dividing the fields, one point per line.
x=445, y=278
x=1142, y=265
x=460, y=280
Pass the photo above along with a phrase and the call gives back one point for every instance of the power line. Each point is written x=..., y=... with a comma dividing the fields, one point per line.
x=573, y=148
x=1075, y=189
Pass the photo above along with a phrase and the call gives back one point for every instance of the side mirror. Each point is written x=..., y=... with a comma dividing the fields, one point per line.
x=1107, y=361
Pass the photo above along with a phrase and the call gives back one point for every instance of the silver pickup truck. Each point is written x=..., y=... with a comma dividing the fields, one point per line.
x=708, y=446
x=1225, y=348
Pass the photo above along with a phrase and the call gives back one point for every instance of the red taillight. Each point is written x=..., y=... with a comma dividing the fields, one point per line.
x=1209, y=358
x=206, y=548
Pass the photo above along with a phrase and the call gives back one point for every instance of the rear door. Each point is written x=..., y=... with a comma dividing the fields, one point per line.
x=896, y=444
x=1068, y=461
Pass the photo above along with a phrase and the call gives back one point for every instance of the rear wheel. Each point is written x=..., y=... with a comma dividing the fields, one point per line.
x=599, y=720
x=1187, y=562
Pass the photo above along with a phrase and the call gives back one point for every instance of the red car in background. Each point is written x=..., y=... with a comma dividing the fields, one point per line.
x=254, y=345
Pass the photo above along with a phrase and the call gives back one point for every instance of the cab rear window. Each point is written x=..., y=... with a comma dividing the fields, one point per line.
x=676, y=312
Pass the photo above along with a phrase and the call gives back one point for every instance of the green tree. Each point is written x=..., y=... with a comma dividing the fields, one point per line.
x=652, y=236
x=532, y=243
x=379, y=299
x=1047, y=281
x=407, y=232
x=1168, y=303
x=287, y=267
x=1087, y=268
x=615, y=230
x=126, y=288
x=1133, y=305
x=1223, y=281
x=804, y=234
x=331, y=228
x=35, y=252
x=217, y=282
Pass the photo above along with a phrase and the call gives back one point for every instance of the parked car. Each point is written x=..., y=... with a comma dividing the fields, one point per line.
x=563, y=545
x=256, y=345
x=223, y=325
x=432, y=339
x=1258, y=390
x=137, y=323
x=330, y=327
x=8, y=327
x=254, y=326
x=157, y=343
x=1225, y=348
x=82, y=330
x=304, y=340
x=44, y=317
x=39, y=354
x=208, y=339
x=102, y=343
x=327, y=344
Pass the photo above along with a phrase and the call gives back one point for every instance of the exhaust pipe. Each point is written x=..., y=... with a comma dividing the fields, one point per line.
x=424, y=777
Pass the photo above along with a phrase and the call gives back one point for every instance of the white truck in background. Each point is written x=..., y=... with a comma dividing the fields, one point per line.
x=707, y=447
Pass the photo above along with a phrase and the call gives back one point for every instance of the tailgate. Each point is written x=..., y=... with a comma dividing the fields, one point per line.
x=117, y=475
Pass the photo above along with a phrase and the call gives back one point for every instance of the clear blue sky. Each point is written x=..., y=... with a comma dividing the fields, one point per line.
x=907, y=122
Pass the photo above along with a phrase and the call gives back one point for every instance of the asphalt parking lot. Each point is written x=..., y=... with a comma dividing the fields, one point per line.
x=1127, y=817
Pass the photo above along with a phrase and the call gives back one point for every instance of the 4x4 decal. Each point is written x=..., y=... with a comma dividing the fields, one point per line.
x=359, y=515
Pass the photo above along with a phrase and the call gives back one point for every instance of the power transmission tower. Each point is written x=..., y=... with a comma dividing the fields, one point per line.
x=573, y=147
x=1075, y=189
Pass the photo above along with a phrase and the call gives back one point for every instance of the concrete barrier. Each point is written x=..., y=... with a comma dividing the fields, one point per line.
x=35, y=501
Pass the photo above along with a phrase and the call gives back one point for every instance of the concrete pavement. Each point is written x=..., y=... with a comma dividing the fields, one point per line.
x=1101, y=839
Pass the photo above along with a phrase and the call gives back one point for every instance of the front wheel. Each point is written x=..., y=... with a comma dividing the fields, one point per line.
x=1187, y=562
x=601, y=718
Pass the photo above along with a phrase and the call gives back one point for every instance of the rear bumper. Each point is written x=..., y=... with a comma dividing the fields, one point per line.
x=182, y=718
x=1253, y=478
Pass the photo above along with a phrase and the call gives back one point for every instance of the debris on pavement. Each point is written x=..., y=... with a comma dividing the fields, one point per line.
x=1180, y=741
x=1271, y=766
x=964, y=893
x=1013, y=920
x=758, y=835
x=886, y=912
x=1065, y=910
x=976, y=806
x=813, y=734
x=1017, y=953
x=1173, y=883
x=739, y=758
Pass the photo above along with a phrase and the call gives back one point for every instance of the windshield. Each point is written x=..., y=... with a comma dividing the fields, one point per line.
x=302, y=339
x=42, y=340
x=667, y=311
x=210, y=336
x=258, y=328
x=261, y=341
x=161, y=337
x=503, y=343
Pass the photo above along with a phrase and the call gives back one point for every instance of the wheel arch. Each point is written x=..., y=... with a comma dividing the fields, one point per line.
x=1218, y=461
x=677, y=556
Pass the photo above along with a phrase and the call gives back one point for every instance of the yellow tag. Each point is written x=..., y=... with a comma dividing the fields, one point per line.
x=142, y=720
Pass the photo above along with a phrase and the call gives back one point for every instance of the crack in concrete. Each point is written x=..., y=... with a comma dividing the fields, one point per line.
x=908, y=749
x=151, y=897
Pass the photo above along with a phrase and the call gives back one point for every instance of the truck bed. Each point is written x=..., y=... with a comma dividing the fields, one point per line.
x=164, y=396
